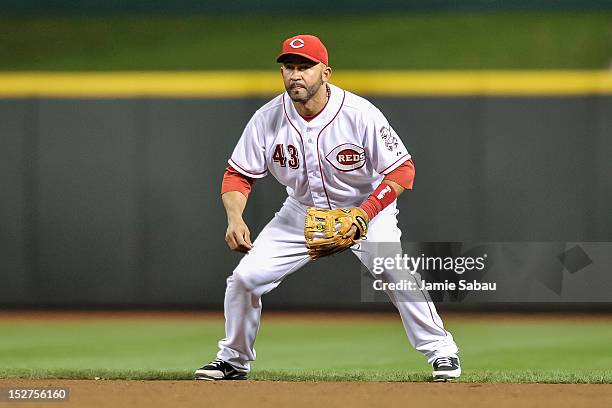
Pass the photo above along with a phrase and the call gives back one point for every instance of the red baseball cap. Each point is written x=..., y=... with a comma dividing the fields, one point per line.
x=308, y=46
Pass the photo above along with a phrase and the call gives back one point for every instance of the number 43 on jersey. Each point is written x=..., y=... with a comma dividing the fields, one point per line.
x=280, y=157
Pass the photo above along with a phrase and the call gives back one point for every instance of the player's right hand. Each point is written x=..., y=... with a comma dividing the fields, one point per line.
x=238, y=236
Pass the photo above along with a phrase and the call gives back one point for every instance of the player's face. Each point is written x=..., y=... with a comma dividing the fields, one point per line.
x=303, y=78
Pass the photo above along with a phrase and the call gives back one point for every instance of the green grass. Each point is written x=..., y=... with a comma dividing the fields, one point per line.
x=351, y=350
x=519, y=40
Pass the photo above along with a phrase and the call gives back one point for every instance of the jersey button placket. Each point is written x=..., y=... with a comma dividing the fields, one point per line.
x=314, y=176
x=308, y=133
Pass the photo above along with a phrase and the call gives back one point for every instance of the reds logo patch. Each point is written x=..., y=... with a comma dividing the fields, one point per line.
x=297, y=43
x=346, y=157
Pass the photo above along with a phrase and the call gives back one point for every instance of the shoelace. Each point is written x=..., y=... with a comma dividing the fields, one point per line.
x=444, y=362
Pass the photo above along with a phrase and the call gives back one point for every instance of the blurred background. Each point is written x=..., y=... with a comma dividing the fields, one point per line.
x=117, y=119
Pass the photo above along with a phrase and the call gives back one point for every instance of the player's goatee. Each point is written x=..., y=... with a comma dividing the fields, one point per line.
x=303, y=94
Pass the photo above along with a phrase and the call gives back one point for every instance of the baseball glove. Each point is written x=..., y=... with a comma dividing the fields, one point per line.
x=324, y=229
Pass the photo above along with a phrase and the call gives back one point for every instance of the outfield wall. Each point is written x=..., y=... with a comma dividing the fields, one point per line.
x=115, y=202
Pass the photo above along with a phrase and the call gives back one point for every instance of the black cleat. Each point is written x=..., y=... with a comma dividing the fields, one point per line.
x=219, y=370
x=446, y=368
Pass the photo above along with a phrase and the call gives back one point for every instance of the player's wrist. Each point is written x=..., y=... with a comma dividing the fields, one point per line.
x=234, y=217
x=380, y=198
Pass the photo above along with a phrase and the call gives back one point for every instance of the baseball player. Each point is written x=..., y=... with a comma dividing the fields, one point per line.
x=342, y=164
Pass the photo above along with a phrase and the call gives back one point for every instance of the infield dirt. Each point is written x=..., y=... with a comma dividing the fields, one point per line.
x=256, y=394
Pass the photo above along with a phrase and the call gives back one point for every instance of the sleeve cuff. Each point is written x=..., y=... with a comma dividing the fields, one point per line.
x=396, y=164
x=245, y=172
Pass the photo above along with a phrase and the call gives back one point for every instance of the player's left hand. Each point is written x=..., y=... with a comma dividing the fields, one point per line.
x=352, y=233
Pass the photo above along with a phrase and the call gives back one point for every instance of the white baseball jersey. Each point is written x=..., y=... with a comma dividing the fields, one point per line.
x=335, y=160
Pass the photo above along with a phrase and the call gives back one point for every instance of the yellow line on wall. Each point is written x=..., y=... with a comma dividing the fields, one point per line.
x=234, y=84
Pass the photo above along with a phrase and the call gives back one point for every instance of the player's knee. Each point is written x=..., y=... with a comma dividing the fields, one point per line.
x=240, y=280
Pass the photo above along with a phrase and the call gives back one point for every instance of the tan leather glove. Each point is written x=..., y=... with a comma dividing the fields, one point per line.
x=324, y=229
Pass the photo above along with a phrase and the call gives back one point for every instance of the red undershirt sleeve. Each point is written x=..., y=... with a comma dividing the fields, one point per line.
x=403, y=175
x=235, y=181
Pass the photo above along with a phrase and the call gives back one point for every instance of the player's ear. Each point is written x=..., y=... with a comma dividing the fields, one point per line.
x=326, y=73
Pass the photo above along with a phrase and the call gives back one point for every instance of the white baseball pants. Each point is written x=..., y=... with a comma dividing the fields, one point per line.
x=279, y=251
